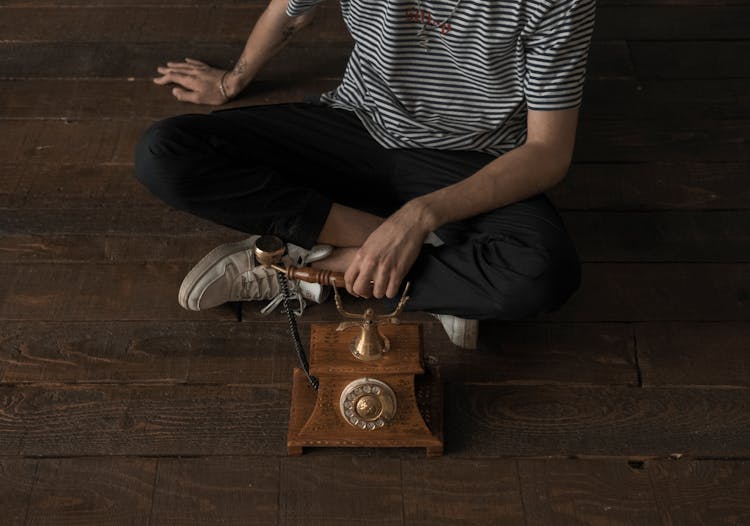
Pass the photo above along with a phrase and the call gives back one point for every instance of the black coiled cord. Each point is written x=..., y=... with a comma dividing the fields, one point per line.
x=294, y=332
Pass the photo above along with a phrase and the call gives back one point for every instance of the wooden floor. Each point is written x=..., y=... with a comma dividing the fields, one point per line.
x=631, y=405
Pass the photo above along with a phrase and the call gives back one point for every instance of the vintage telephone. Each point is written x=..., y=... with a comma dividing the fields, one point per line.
x=367, y=390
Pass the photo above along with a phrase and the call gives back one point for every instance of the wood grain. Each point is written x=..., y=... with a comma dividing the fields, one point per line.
x=693, y=493
x=103, y=491
x=16, y=482
x=100, y=420
x=333, y=491
x=518, y=421
x=694, y=353
x=659, y=292
x=159, y=23
x=654, y=186
x=216, y=490
x=213, y=352
x=586, y=492
x=449, y=491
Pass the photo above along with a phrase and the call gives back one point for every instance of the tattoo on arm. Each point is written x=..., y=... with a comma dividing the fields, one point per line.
x=239, y=68
x=287, y=34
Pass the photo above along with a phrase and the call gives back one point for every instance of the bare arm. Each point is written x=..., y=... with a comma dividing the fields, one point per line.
x=199, y=83
x=539, y=164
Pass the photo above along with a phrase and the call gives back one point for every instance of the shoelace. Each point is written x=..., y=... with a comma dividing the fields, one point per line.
x=279, y=298
x=266, y=282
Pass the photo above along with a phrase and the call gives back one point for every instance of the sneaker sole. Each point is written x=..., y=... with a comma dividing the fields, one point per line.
x=197, y=276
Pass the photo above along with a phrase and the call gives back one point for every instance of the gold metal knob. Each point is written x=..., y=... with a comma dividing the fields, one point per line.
x=367, y=403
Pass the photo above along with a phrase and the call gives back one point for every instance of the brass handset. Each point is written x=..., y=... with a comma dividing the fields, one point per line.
x=270, y=249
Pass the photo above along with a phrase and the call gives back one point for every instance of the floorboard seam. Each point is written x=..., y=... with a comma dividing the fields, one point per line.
x=31, y=492
x=638, y=371
x=520, y=492
x=153, y=492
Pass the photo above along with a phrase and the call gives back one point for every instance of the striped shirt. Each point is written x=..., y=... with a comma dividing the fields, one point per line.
x=485, y=64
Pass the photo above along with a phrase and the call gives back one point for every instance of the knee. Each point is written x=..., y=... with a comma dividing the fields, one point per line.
x=162, y=159
x=557, y=276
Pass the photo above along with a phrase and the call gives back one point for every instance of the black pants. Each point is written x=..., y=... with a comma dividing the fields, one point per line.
x=277, y=169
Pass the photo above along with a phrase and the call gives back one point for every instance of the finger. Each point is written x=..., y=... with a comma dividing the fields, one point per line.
x=178, y=71
x=380, y=282
x=393, y=285
x=180, y=65
x=350, y=277
x=197, y=62
x=184, y=95
x=363, y=284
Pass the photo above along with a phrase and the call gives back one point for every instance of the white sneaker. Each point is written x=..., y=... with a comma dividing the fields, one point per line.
x=229, y=273
x=461, y=331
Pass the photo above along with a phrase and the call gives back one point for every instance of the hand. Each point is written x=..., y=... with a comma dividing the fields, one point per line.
x=197, y=82
x=381, y=263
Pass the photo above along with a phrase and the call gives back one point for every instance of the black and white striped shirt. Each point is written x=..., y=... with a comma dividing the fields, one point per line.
x=483, y=67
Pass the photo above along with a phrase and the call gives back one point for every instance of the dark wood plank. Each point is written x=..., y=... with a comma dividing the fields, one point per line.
x=525, y=353
x=134, y=60
x=78, y=185
x=634, y=141
x=109, y=59
x=693, y=493
x=659, y=291
x=69, y=142
x=566, y=492
x=447, y=491
x=341, y=490
x=152, y=352
x=87, y=420
x=102, y=491
x=88, y=99
x=261, y=353
x=704, y=236
x=694, y=353
x=657, y=99
x=176, y=23
x=654, y=186
x=16, y=482
x=672, y=22
x=216, y=490
x=86, y=292
x=691, y=59
x=499, y=421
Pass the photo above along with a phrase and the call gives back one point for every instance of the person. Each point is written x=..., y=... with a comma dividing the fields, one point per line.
x=427, y=163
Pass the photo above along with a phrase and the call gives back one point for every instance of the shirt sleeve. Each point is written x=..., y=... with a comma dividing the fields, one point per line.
x=297, y=7
x=556, y=49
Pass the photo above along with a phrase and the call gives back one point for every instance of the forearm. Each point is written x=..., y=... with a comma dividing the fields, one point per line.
x=521, y=173
x=271, y=33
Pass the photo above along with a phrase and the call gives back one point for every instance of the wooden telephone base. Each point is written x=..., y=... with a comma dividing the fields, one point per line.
x=316, y=420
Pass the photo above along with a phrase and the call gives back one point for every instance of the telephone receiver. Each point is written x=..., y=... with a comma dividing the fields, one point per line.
x=270, y=249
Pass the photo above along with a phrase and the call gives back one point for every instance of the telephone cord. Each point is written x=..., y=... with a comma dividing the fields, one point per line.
x=294, y=332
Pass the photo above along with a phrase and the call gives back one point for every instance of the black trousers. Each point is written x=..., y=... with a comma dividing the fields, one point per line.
x=276, y=169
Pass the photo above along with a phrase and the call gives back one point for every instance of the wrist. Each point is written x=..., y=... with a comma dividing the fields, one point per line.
x=422, y=214
x=233, y=83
